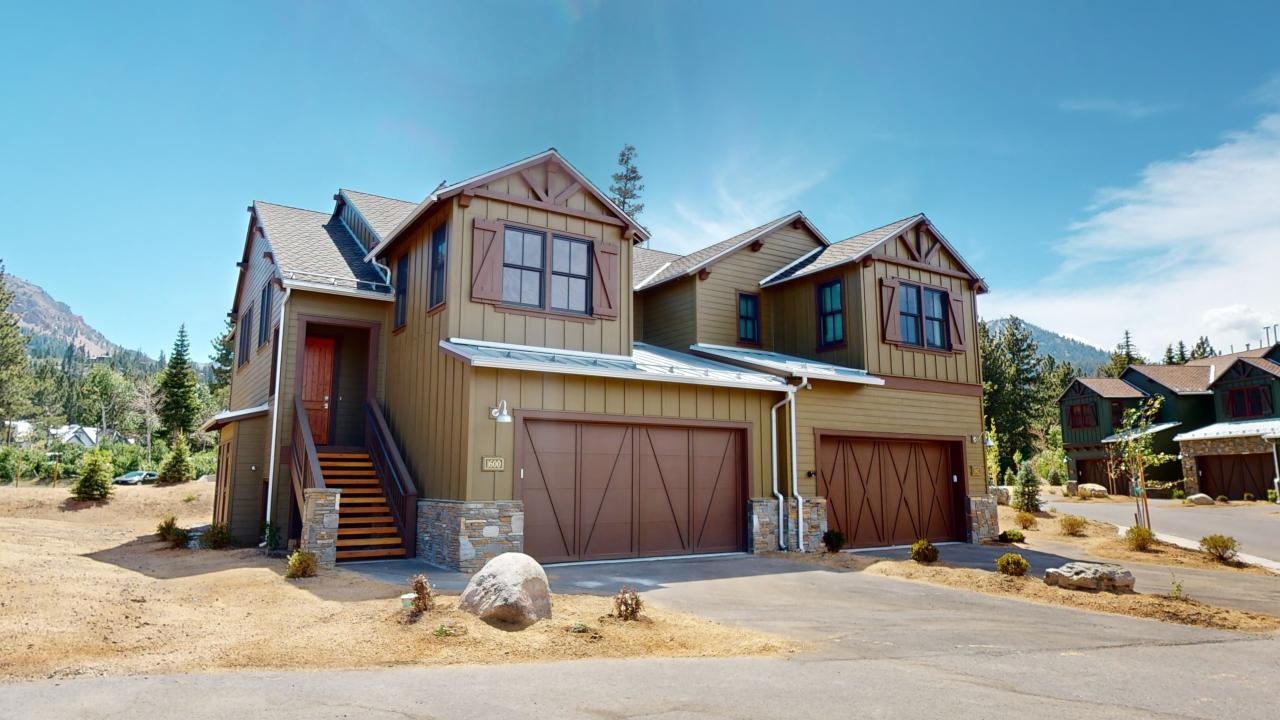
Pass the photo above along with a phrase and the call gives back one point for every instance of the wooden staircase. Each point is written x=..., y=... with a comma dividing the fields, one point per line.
x=366, y=529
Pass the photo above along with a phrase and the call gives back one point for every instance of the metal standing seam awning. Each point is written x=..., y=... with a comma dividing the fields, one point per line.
x=787, y=365
x=1242, y=428
x=1126, y=435
x=226, y=417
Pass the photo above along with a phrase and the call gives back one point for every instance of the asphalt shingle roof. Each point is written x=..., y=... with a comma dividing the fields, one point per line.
x=1111, y=388
x=314, y=246
x=844, y=251
x=1222, y=361
x=1178, y=378
x=382, y=213
x=1264, y=365
x=687, y=263
x=645, y=262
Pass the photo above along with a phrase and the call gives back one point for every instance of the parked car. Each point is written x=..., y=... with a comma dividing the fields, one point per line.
x=137, y=476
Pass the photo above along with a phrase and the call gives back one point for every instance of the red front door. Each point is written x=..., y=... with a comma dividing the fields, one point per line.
x=317, y=386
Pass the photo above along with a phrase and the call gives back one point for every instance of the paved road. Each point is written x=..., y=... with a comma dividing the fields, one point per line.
x=1255, y=525
x=875, y=647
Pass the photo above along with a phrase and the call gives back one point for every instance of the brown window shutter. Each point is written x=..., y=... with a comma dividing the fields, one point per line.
x=957, y=323
x=604, y=280
x=486, y=261
x=890, y=320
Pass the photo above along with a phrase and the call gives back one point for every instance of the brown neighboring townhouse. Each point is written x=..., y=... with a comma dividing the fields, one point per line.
x=503, y=367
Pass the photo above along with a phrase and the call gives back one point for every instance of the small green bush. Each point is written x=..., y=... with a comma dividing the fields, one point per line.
x=1026, y=491
x=1179, y=494
x=1249, y=497
x=94, y=482
x=167, y=527
x=1223, y=548
x=177, y=467
x=271, y=536
x=1057, y=477
x=302, y=564
x=1223, y=499
x=1012, y=564
x=1139, y=538
x=627, y=604
x=1271, y=496
x=217, y=537
x=1073, y=525
x=1011, y=536
x=833, y=540
x=1026, y=520
x=180, y=538
x=923, y=551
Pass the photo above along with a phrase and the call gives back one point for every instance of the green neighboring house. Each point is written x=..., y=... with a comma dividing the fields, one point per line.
x=1092, y=411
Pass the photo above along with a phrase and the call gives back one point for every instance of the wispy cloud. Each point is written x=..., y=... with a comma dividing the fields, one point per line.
x=1190, y=249
x=1123, y=109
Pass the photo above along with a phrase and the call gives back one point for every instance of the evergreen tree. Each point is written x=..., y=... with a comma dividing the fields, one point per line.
x=1182, y=355
x=1170, y=357
x=15, y=376
x=1014, y=390
x=94, y=482
x=177, y=467
x=222, y=357
x=179, y=407
x=1202, y=349
x=1026, y=489
x=1122, y=357
x=626, y=188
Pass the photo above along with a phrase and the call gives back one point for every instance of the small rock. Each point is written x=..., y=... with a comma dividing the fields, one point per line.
x=511, y=588
x=1073, y=486
x=1094, y=490
x=1090, y=576
x=1200, y=499
x=1002, y=493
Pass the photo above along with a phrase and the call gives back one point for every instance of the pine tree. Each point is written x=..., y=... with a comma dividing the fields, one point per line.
x=1170, y=357
x=1014, y=389
x=94, y=482
x=1182, y=355
x=15, y=375
x=1202, y=349
x=1122, y=357
x=177, y=467
x=626, y=188
x=222, y=357
x=179, y=407
x=1026, y=490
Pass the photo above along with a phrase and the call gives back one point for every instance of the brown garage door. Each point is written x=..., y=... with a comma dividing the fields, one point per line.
x=597, y=491
x=889, y=492
x=1235, y=475
x=1095, y=471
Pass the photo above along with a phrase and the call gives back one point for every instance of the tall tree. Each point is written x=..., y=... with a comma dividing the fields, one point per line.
x=179, y=406
x=1182, y=355
x=107, y=397
x=223, y=354
x=626, y=188
x=146, y=404
x=1170, y=357
x=1202, y=349
x=15, y=377
x=1014, y=392
x=1123, y=356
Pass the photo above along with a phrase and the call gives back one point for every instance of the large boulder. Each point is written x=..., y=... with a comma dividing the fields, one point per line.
x=511, y=588
x=1094, y=490
x=1200, y=499
x=1002, y=493
x=1090, y=576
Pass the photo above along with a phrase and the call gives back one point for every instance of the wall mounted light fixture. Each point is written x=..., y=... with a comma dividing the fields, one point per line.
x=500, y=413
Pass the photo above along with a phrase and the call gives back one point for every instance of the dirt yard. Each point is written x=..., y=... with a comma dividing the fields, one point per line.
x=87, y=590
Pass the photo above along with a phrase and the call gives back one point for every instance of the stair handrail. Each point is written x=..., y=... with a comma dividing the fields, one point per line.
x=393, y=475
x=306, y=460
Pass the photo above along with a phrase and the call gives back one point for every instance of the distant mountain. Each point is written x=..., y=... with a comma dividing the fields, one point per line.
x=52, y=325
x=1084, y=356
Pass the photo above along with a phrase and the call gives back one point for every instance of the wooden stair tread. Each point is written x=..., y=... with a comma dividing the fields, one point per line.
x=374, y=530
x=365, y=510
x=374, y=553
x=363, y=500
x=355, y=454
x=384, y=519
x=352, y=542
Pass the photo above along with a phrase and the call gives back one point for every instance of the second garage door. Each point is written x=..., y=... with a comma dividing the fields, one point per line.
x=889, y=492
x=597, y=491
x=1235, y=475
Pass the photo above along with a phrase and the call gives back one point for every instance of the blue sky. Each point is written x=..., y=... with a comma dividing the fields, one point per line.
x=1102, y=164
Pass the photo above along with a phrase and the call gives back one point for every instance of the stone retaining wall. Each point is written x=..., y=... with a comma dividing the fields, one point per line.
x=984, y=518
x=464, y=535
x=1190, y=449
x=320, y=524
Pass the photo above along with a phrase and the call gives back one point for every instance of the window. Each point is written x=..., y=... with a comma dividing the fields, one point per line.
x=439, y=247
x=522, y=265
x=748, y=318
x=909, y=314
x=831, y=314
x=922, y=317
x=1117, y=413
x=264, y=321
x=242, y=336
x=1082, y=415
x=402, y=290
x=935, y=319
x=570, y=275
x=1248, y=402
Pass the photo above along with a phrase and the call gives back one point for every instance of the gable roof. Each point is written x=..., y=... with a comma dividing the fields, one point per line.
x=859, y=246
x=645, y=263
x=1180, y=379
x=448, y=191
x=697, y=260
x=314, y=251
x=1263, y=364
x=382, y=213
x=1222, y=361
x=1110, y=388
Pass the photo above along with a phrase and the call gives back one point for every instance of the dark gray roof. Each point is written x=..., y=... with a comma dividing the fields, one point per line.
x=1111, y=387
x=645, y=262
x=687, y=264
x=382, y=213
x=842, y=252
x=1180, y=379
x=314, y=247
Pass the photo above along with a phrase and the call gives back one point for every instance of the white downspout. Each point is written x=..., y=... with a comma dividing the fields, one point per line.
x=1275, y=457
x=773, y=454
x=795, y=482
x=275, y=411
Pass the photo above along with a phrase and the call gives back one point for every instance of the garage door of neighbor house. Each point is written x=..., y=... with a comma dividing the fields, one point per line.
x=1095, y=471
x=1235, y=475
x=597, y=491
x=890, y=492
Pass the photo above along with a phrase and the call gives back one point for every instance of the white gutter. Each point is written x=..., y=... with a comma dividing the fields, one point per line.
x=773, y=433
x=1275, y=457
x=275, y=411
x=795, y=483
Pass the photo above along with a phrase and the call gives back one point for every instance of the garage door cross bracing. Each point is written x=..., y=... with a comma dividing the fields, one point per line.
x=1235, y=475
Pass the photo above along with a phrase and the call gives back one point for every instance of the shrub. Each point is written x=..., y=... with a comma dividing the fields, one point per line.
x=1057, y=477
x=94, y=482
x=271, y=536
x=217, y=537
x=1271, y=496
x=1179, y=494
x=1083, y=494
x=302, y=564
x=1009, y=478
x=177, y=467
x=1073, y=525
x=923, y=551
x=167, y=527
x=180, y=538
x=627, y=604
x=1026, y=520
x=1011, y=536
x=833, y=540
x=1248, y=497
x=1139, y=538
x=1223, y=499
x=204, y=463
x=423, y=599
x=1012, y=564
x=1026, y=493
x=1223, y=548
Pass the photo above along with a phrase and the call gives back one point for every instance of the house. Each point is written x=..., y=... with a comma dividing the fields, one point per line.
x=83, y=435
x=1236, y=454
x=1092, y=412
x=500, y=367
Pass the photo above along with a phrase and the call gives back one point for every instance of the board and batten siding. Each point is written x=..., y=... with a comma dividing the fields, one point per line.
x=795, y=317
x=493, y=321
x=251, y=382
x=670, y=314
x=742, y=271
x=613, y=400
x=249, y=452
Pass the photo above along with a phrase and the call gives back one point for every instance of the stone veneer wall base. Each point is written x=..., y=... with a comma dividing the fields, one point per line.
x=984, y=518
x=464, y=535
x=320, y=524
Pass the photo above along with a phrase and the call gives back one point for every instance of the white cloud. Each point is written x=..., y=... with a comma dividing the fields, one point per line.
x=1124, y=109
x=1193, y=248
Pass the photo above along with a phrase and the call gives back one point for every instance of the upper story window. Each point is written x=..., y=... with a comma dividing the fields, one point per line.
x=439, y=253
x=749, y=318
x=1082, y=415
x=522, y=267
x=922, y=316
x=243, y=328
x=831, y=314
x=1117, y=413
x=264, y=321
x=1248, y=402
x=402, y=290
x=570, y=274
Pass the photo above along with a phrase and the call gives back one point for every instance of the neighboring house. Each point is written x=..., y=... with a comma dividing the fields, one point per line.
x=83, y=435
x=475, y=373
x=1237, y=454
x=1092, y=411
x=18, y=432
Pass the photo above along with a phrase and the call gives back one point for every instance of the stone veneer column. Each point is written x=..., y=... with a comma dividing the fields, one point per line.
x=984, y=518
x=320, y=524
x=464, y=535
x=814, y=525
x=762, y=525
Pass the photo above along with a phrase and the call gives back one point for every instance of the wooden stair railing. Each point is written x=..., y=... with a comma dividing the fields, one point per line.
x=305, y=460
x=397, y=485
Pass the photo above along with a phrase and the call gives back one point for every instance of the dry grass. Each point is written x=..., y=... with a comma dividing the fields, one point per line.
x=91, y=592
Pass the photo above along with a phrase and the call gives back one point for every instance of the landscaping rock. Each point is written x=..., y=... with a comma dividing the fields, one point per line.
x=1072, y=487
x=1090, y=576
x=1200, y=499
x=511, y=588
x=1002, y=493
x=1094, y=490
